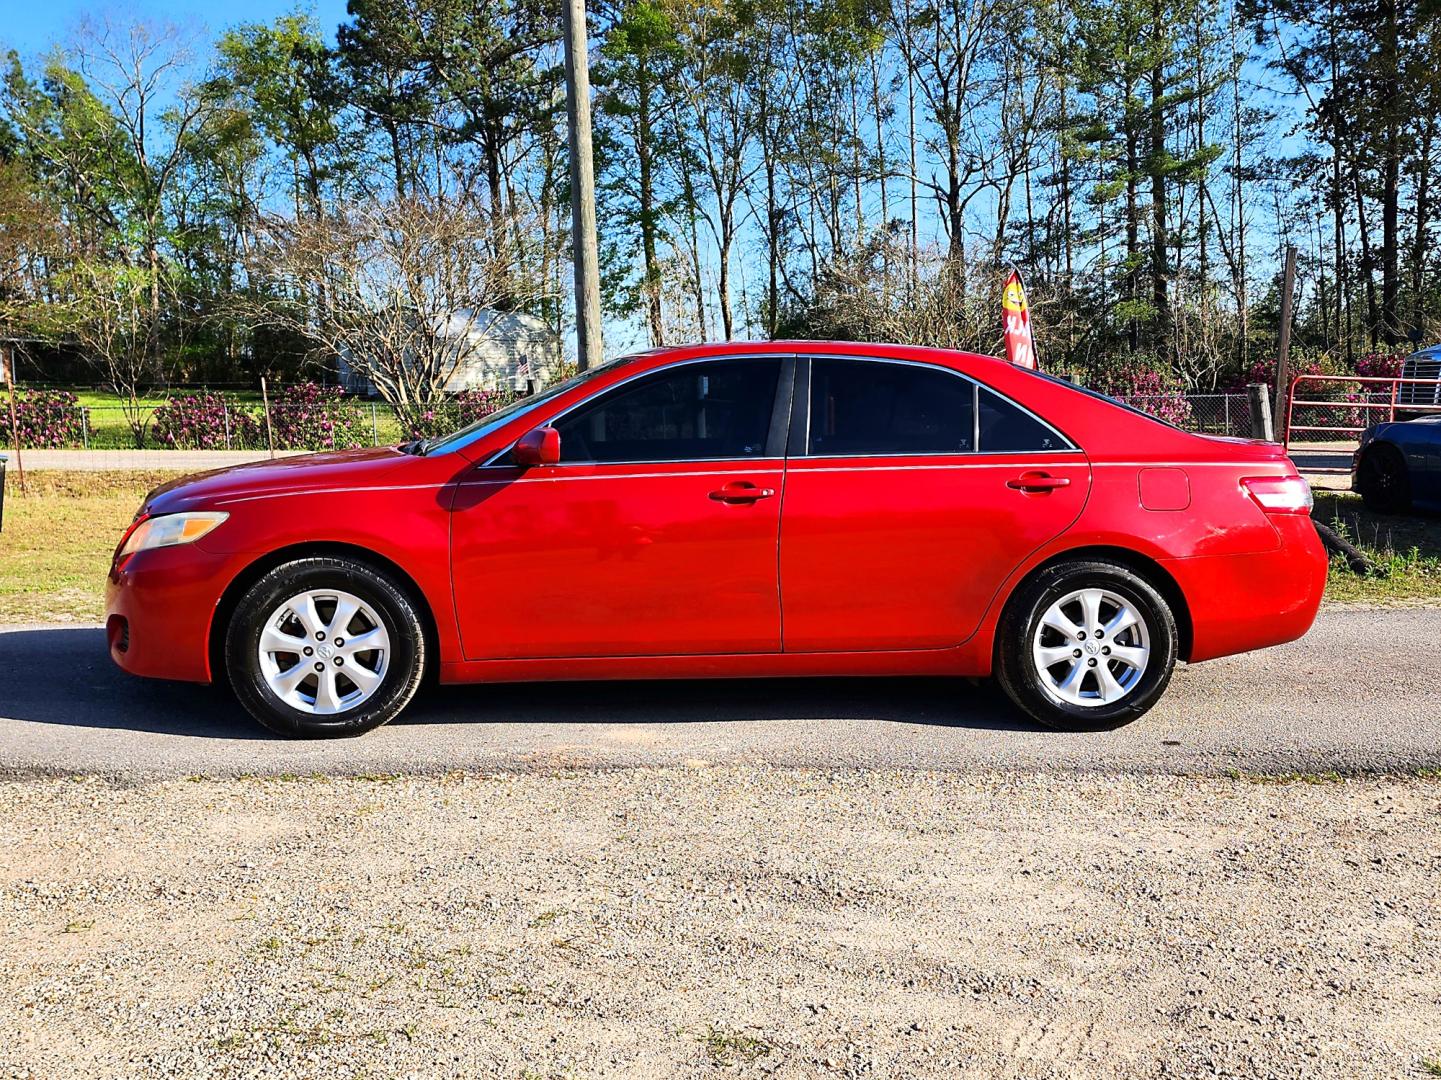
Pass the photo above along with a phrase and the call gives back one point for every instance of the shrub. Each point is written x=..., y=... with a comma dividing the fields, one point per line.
x=458, y=409
x=1264, y=370
x=204, y=420
x=44, y=419
x=1347, y=396
x=1143, y=388
x=1380, y=365
x=308, y=416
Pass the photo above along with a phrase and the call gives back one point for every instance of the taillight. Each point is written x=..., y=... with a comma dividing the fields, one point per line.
x=1279, y=494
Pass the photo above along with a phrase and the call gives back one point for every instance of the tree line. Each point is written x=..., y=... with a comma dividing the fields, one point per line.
x=174, y=206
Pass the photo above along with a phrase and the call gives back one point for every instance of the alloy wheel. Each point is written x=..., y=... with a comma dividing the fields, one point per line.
x=1091, y=648
x=324, y=651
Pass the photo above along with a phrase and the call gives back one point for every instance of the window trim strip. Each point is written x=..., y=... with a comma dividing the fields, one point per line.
x=784, y=382
x=976, y=386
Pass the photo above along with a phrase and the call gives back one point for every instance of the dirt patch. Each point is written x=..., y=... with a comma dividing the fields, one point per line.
x=698, y=921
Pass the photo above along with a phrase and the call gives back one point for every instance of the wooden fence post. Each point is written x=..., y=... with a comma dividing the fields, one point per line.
x=1283, y=347
x=1261, y=426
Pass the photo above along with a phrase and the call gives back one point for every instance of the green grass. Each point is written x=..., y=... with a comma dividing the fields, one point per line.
x=57, y=540
x=1405, y=549
x=109, y=424
x=1286, y=778
x=725, y=1047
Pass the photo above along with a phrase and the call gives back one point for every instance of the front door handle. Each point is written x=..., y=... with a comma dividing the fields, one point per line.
x=1038, y=482
x=741, y=491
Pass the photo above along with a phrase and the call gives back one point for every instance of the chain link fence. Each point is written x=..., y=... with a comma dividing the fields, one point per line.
x=1205, y=414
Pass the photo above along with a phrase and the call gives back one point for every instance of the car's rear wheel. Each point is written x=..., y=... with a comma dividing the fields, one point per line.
x=325, y=647
x=1086, y=646
x=1382, y=479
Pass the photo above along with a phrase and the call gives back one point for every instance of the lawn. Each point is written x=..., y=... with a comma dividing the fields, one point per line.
x=109, y=428
x=1405, y=548
x=57, y=541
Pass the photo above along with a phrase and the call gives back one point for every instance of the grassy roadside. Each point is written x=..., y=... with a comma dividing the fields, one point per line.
x=1406, y=549
x=57, y=541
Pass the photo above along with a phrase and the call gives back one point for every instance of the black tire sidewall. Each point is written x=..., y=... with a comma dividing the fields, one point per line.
x=405, y=665
x=1022, y=682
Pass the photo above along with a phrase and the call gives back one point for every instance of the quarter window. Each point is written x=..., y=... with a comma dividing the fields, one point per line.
x=689, y=413
x=1006, y=429
x=869, y=407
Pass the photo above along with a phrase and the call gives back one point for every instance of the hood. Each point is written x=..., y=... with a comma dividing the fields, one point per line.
x=304, y=472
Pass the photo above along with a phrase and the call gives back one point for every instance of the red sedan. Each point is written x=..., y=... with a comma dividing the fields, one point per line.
x=789, y=508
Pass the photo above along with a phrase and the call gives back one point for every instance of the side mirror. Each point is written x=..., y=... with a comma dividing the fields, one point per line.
x=538, y=447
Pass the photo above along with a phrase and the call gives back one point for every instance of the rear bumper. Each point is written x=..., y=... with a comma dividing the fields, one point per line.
x=1243, y=602
x=158, y=610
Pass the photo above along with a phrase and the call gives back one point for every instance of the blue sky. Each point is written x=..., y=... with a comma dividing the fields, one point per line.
x=32, y=26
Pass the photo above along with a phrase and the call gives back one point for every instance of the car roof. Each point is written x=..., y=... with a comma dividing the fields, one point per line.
x=811, y=347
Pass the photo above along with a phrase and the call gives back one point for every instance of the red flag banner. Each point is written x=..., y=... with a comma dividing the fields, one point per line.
x=1020, y=345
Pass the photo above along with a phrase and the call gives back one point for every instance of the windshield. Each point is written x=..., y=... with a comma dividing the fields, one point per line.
x=491, y=421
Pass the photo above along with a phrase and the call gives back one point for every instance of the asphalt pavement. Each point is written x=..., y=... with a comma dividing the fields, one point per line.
x=1358, y=694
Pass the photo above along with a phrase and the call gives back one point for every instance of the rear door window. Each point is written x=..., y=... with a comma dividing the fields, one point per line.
x=876, y=408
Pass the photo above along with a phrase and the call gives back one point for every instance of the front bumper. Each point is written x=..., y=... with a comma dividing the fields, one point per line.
x=159, y=607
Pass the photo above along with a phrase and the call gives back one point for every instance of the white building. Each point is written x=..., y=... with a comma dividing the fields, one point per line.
x=498, y=350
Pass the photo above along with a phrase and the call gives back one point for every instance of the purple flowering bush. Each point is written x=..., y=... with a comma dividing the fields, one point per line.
x=457, y=410
x=1348, y=397
x=204, y=420
x=1263, y=370
x=308, y=416
x=1380, y=365
x=1143, y=388
x=44, y=419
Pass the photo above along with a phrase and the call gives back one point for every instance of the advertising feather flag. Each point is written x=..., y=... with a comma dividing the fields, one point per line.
x=1020, y=344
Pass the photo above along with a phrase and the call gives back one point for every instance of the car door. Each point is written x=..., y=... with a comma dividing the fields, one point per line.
x=911, y=492
x=656, y=533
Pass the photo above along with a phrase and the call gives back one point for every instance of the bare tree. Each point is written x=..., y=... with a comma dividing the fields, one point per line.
x=413, y=289
x=869, y=295
x=139, y=73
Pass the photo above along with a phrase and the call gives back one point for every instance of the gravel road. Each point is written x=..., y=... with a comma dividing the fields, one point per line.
x=1356, y=694
x=733, y=921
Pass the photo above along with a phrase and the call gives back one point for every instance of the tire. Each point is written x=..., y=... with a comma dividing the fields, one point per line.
x=1087, y=703
x=299, y=603
x=1382, y=479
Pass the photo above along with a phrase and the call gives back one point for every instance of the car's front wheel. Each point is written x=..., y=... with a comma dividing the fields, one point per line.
x=1086, y=646
x=325, y=647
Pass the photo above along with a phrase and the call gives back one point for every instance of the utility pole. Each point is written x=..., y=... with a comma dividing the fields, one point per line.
x=1283, y=350
x=589, y=349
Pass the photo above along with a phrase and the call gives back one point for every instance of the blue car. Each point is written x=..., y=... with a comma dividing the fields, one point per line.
x=1397, y=467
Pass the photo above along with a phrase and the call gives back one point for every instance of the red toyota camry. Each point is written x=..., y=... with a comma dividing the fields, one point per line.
x=789, y=508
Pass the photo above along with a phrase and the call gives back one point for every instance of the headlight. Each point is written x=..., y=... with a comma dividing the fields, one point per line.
x=168, y=530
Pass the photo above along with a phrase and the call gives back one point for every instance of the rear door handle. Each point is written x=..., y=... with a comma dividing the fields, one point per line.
x=1038, y=482
x=741, y=491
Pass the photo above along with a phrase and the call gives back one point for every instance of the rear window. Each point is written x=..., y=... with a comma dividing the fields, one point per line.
x=1106, y=398
x=1008, y=429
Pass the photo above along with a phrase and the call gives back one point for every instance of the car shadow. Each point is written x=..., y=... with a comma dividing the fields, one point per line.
x=65, y=676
